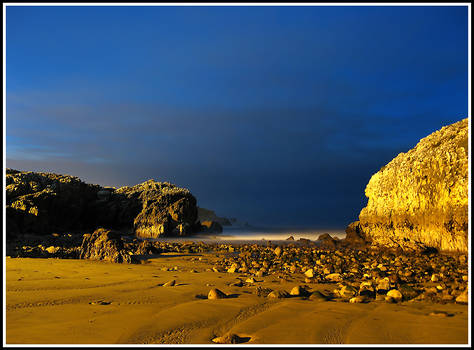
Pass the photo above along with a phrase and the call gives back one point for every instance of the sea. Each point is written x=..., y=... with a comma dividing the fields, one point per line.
x=237, y=234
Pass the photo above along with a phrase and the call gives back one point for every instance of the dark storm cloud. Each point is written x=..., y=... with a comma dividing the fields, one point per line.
x=272, y=115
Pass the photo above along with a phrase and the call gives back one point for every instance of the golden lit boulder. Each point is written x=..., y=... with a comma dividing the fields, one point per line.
x=420, y=198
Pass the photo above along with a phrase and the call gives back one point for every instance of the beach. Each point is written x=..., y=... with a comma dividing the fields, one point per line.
x=71, y=301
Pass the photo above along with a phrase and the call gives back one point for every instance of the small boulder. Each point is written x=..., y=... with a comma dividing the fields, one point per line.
x=318, y=296
x=277, y=251
x=359, y=299
x=394, y=295
x=462, y=298
x=229, y=338
x=278, y=294
x=334, y=277
x=215, y=293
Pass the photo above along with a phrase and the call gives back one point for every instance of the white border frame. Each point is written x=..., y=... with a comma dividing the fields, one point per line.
x=5, y=5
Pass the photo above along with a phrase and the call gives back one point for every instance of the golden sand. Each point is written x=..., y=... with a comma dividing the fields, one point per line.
x=54, y=301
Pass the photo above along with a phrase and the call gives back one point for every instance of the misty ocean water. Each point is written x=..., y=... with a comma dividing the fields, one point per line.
x=257, y=234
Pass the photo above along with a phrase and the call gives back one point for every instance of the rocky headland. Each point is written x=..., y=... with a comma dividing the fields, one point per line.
x=45, y=203
x=420, y=199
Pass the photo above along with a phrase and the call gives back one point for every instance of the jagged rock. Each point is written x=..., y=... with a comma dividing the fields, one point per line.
x=420, y=198
x=147, y=248
x=46, y=202
x=104, y=245
x=43, y=203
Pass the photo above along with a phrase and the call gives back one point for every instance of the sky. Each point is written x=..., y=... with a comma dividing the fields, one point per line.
x=277, y=116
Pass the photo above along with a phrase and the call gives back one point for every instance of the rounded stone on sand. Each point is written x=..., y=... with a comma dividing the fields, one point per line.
x=394, y=295
x=170, y=283
x=215, y=293
x=278, y=294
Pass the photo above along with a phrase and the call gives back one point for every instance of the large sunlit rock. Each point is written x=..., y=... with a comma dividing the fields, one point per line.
x=420, y=198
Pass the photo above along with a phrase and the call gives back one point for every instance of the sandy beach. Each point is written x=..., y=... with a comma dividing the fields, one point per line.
x=69, y=301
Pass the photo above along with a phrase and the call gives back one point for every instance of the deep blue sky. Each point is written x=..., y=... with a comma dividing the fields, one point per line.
x=275, y=115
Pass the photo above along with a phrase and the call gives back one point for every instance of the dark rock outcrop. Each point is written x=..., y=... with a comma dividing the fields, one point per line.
x=43, y=203
x=209, y=215
x=211, y=227
x=420, y=198
x=326, y=241
x=355, y=236
x=104, y=245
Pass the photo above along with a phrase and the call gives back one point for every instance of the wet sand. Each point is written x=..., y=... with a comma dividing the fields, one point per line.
x=68, y=301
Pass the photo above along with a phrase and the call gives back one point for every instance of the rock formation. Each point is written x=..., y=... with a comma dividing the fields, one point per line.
x=104, y=245
x=43, y=203
x=209, y=215
x=420, y=198
x=211, y=227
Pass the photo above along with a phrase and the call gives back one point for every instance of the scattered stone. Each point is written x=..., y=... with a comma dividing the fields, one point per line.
x=462, y=298
x=230, y=338
x=334, y=277
x=262, y=292
x=277, y=251
x=53, y=250
x=309, y=273
x=298, y=291
x=170, y=283
x=346, y=291
x=215, y=293
x=278, y=294
x=318, y=296
x=359, y=299
x=395, y=295
x=104, y=245
x=439, y=314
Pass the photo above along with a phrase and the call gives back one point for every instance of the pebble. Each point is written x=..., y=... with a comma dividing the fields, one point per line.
x=278, y=294
x=318, y=296
x=215, y=293
x=334, y=277
x=170, y=283
x=359, y=299
x=230, y=338
x=297, y=291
